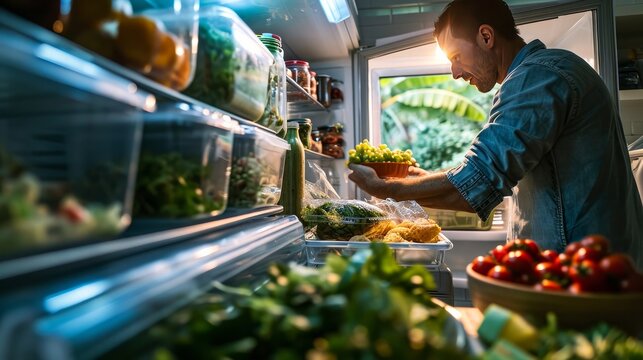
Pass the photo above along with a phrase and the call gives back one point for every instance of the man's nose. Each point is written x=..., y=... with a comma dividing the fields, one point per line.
x=456, y=71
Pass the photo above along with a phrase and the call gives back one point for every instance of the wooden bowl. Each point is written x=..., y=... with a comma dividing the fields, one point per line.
x=575, y=311
x=389, y=169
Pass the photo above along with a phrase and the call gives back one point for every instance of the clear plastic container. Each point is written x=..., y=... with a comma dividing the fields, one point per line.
x=69, y=142
x=158, y=41
x=233, y=67
x=184, y=164
x=429, y=255
x=66, y=177
x=256, y=176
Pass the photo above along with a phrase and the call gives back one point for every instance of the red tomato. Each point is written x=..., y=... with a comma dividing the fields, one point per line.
x=575, y=288
x=500, y=272
x=549, y=255
x=617, y=265
x=527, y=245
x=632, y=283
x=571, y=248
x=563, y=260
x=589, y=275
x=528, y=278
x=548, y=271
x=598, y=243
x=533, y=249
x=549, y=285
x=518, y=262
x=498, y=253
x=482, y=264
x=586, y=254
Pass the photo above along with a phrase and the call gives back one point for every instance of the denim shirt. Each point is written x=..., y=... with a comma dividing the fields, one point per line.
x=554, y=142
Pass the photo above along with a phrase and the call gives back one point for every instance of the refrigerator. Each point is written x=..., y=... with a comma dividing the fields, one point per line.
x=82, y=300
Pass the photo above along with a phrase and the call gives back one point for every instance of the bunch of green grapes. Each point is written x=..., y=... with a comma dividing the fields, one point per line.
x=367, y=153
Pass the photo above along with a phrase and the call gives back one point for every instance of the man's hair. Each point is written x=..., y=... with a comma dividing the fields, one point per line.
x=464, y=17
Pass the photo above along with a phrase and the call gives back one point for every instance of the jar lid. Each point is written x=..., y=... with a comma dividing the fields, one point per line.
x=301, y=120
x=296, y=63
x=293, y=124
x=270, y=35
x=323, y=76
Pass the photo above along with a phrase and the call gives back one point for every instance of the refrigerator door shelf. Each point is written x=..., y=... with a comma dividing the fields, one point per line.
x=86, y=315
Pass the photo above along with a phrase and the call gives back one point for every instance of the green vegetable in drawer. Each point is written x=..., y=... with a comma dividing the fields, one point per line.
x=366, y=307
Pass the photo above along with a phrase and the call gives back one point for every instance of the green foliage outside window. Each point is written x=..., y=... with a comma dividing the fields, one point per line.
x=435, y=116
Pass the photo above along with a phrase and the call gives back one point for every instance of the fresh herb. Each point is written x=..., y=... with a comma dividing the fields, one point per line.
x=169, y=185
x=365, y=307
x=600, y=342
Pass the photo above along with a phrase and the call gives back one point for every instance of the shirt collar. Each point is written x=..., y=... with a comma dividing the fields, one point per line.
x=526, y=50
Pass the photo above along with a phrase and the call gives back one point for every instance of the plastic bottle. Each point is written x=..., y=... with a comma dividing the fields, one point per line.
x=292, y=188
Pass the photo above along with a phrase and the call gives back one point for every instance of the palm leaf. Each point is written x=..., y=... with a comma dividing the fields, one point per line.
x=439, y=99
x=434, y=81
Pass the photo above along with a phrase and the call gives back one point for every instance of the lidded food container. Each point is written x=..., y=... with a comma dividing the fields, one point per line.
x=69, y=142
x=159, y=42
x=301, y=74
x=184, y=164
x=257, y=168
x=233, y=67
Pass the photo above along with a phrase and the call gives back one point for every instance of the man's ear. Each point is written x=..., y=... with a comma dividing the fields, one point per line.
x=486, y=36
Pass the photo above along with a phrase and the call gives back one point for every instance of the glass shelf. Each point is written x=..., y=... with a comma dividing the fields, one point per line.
x=313, y=155
x=302, y=102
x=136, y=239
x=87, y=313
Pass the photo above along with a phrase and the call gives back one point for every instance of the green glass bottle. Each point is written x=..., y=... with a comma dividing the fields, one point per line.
x=292, y=188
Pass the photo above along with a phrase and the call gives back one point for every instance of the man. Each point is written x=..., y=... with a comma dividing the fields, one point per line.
x=554, y=140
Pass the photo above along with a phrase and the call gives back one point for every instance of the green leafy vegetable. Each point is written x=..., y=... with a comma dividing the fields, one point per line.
x=342, y=219
x=169, y=185
x=365, y=307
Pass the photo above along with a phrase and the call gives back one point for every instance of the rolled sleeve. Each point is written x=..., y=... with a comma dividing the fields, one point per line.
x=475, y=188
x=526, y=119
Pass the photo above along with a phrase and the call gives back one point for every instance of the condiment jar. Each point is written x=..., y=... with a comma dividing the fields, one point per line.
x=300, y=73
x=323, y=90
x=305, y=131
x=313, y=85
x=316, y=144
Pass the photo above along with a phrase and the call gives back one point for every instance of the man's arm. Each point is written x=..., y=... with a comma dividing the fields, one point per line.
x=429, y=189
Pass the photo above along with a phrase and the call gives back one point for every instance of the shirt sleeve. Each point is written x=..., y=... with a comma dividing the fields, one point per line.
x=528, y=114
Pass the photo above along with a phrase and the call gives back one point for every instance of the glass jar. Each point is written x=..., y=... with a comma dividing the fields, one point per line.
x=323, y=90
x=276, y=110
x=316, y=144
x=305, y=131
x=292, y=193
x=301, y=74
x=313, y=85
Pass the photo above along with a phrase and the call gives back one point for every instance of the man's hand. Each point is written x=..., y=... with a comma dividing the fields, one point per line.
x=416, y=171
x=366, y=178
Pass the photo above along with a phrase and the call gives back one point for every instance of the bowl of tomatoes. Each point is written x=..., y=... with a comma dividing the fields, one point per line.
x=584, y=285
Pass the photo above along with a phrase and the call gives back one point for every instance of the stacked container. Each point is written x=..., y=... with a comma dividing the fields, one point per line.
x=69, y=142
x=233, y=67
x=257, y=168
x=184, y=165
